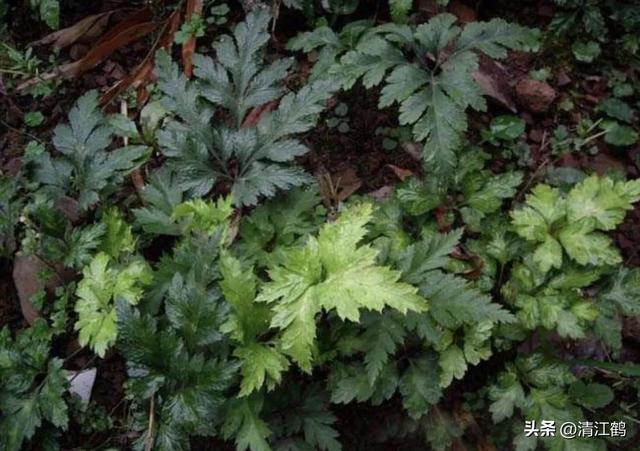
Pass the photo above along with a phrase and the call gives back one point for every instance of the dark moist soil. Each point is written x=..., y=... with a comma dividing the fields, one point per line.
x=360, y=149
x=10, y=313
x=628, y=237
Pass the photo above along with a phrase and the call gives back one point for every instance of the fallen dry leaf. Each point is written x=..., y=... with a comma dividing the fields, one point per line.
x=193, y=7
x=400, y=172
x=464, y=13
x=87, y=29
x=337, y=187
x=493, y=78
x=382, y=194
x=123, y=33
x=256, y=114
x=143, y=73
x=26, y=271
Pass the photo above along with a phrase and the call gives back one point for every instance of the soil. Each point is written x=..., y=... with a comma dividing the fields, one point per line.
x=10, y=313
x=359, y=149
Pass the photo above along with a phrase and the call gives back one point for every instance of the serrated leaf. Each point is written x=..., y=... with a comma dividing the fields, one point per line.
x=593, y=395
x=260, y=364
x=602, y=199
x=254, y=160
x=426, y=255
x=452, y=365
x=453, y=302
x=507, y=394
x=420, y=386
x=331, y=272
x=97, y=292
x=85, y=169
x=243, y=423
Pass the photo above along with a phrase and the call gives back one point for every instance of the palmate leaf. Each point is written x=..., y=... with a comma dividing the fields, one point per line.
x=349, y=383
x=102, y=285
x=188, y=387
x=624, y=291
x=243, y=422
x=436, y=89
x=24, y=413
x=574, y=222
x=279, y=223
x=260, y=363
x=303, y=419
x=247, y=318
x=331, y=272
x=383, y=333
x=236, y=81
x=603, y=200
x=195, y=313
x=507, y=394
x=420, y=386
x=84, y=168
x=251, y=161
x=161, y=195
x=10, y=207
x=330, y=45
x=454, y=302
x=424, y=256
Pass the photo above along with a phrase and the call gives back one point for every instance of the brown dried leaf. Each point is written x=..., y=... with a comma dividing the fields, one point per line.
x=400, y=172
x=125, y=32
x=143, y=73
x=256, y=114
x=493, y=81
x=87, y=29
x=26, y=278
x=193, y=7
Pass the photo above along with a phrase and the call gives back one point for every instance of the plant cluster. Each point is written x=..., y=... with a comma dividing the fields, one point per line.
x=248, y=312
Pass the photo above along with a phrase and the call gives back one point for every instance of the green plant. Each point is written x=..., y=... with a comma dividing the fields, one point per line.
x=231, y=302
x=321, y=275
x=33, y=385
x=33, y=118
x=84, y=168
x=428, y=70
x=596, y=22
x=192, y=28
x=22, y=63
x=48, y=11
x=393, y=136
x=102, y=284
x=250, y=161
x=218, y=14
x=10, y=209
x=340, y=120
x=572, y=223
x=329, y=44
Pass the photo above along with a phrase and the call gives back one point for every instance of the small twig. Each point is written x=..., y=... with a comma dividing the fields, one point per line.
x=14, y=72
x=152, y=420
x=539, y=169
x=22, y=132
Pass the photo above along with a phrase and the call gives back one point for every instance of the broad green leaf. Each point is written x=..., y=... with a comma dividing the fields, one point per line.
x=452, y=365
x=420, y=386
x=331, y=272
x=260, y=363
x=593, y=395
x=101, y=286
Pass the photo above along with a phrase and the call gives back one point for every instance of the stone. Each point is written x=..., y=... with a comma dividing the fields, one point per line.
x=535, y=96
